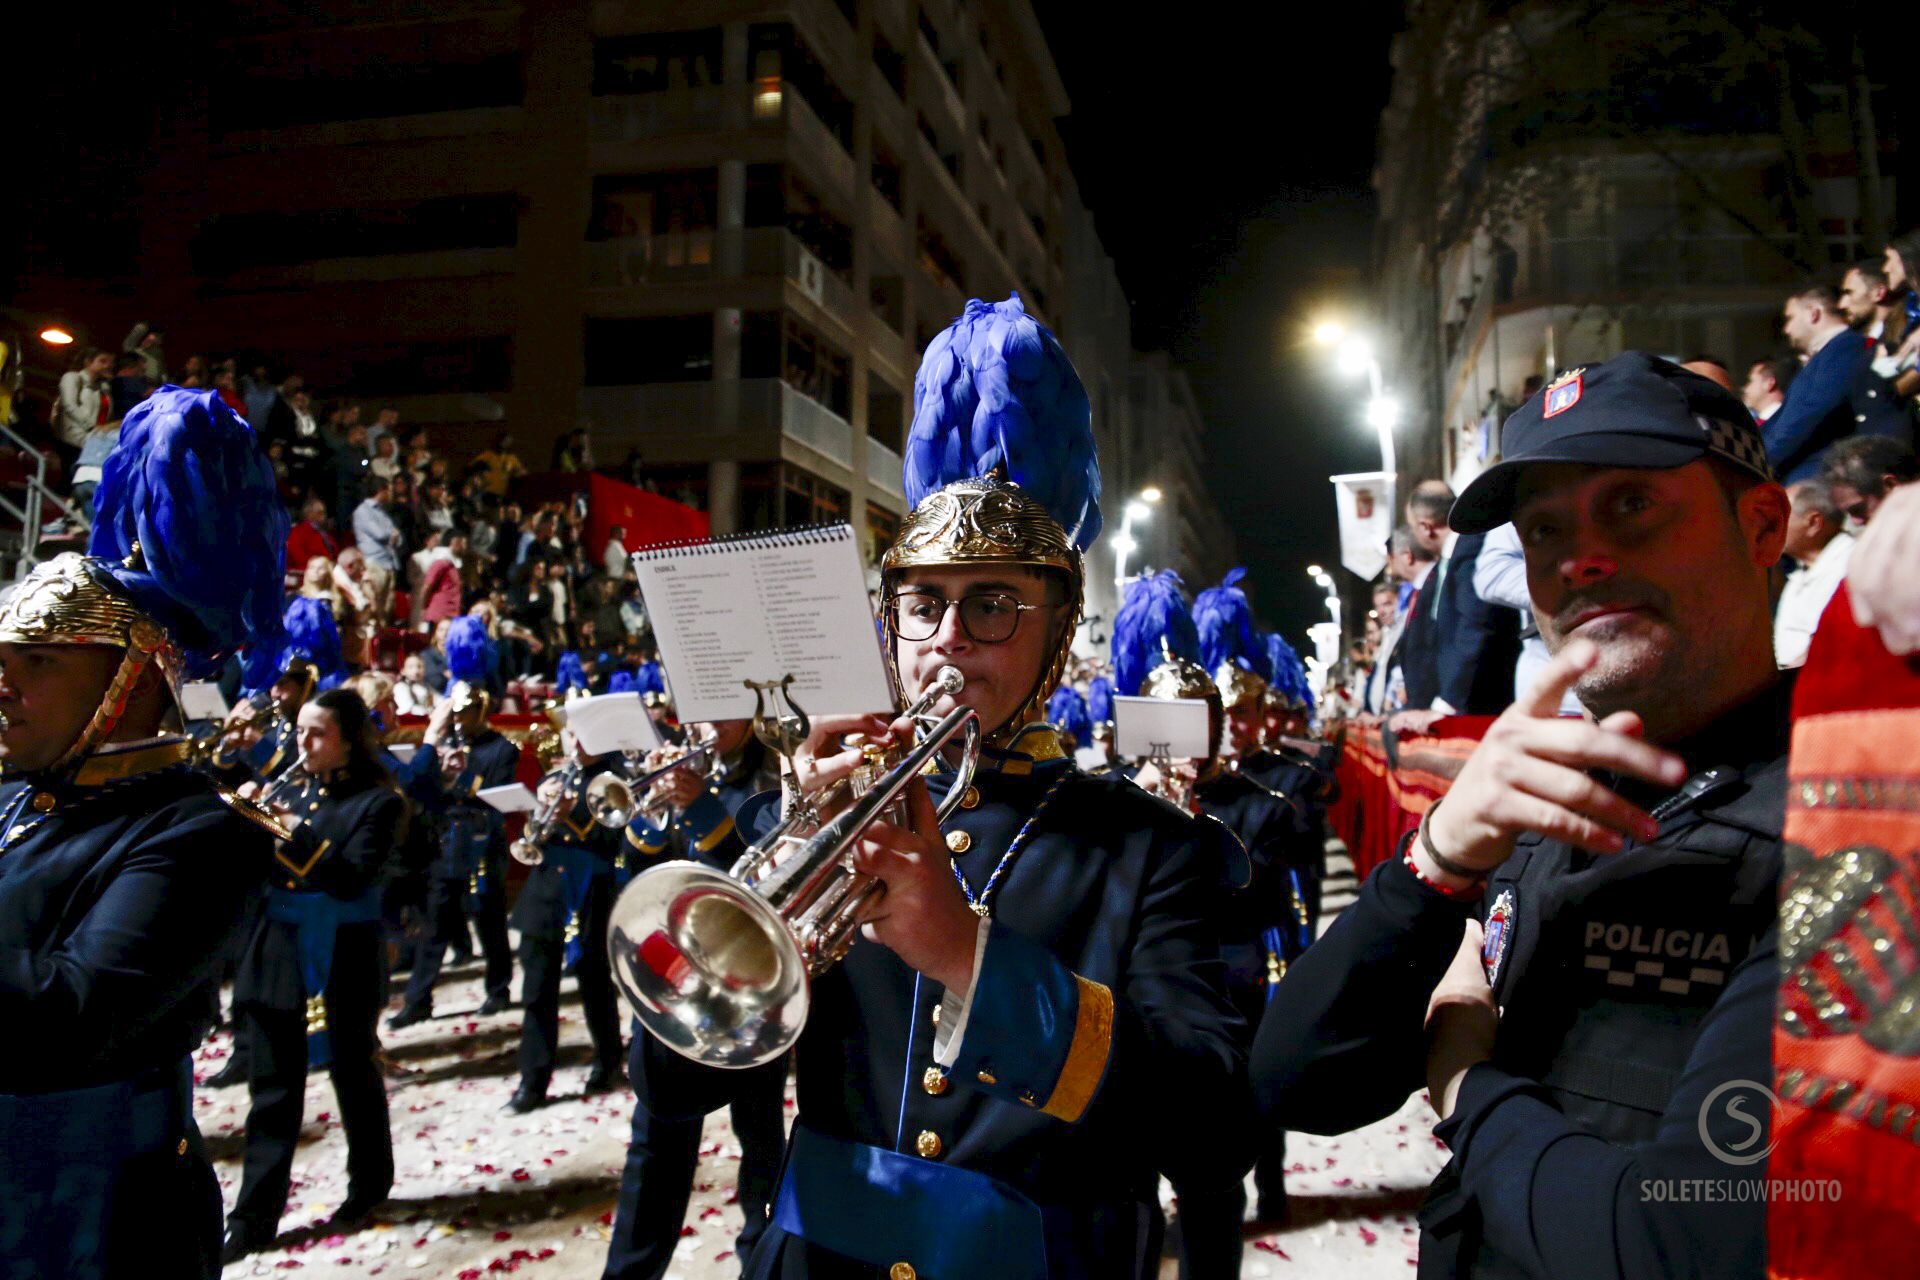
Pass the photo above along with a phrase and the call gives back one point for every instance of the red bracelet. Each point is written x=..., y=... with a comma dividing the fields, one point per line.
x=1469, y=893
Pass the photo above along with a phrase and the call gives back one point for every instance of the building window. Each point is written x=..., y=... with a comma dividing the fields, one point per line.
x=371, y=370
x=939, y=262
x=887, y=296
x=766, y=195
x=827, y=236
x=638, y=349
x=672, y=214
x=234, y=242
x=886, y=411
x=885, y=174
x=777, y=48
x=891, y=64
x=760, y=344
x=882, y=528
x=657, y=62
x=807, y=499
x=817, y=369
x=398, y=72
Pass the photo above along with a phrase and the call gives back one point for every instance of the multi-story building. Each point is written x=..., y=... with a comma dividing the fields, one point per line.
x=1554, y=191
x=717, y=233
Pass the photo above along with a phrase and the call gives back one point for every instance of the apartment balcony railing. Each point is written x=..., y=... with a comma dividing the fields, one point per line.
x=661, y=413
x=701, y=255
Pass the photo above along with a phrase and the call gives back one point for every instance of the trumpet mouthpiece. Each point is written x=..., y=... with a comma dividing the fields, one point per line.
x=949, y=680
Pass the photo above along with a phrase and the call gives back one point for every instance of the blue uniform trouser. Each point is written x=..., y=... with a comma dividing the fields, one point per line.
x=664, y=1156
x=446, y=920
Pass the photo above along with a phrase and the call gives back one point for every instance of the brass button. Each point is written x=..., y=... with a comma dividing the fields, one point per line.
x=901, y=1271
x=1026, y=1096
x=928, y=1144
x=934, y=1081
x=936, y=1015
x=970, y=798
x=182, y=1148
x=987, y=1077
x=44, y=802
x=959, y=841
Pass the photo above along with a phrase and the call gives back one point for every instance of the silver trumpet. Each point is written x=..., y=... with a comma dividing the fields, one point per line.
x=719, y=966
x=614, y=800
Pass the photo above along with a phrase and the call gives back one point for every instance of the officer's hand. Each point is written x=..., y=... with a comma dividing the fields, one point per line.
x=1528, y=774
x=1462, y=1021
x=923, y=917
x=1880, y=579
x=676, y=790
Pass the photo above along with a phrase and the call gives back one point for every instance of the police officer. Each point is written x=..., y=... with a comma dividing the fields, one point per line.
x=695, y=812
x=125, y=873
x=311, y=985
x=562, y=919
x=469, y=877
x=1595, y=899
x=1060, y=928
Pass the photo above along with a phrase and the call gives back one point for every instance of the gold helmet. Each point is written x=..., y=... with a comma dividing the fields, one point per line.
x=185, y=561
x=1000, y=468
x=1239, y=687
x=1154, y=626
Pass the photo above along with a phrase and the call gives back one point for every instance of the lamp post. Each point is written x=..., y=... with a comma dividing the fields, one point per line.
x=1138, y=509
x=1334, y=604
x=1354, y=357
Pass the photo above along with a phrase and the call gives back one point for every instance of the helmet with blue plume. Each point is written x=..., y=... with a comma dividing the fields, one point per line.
x=1067, y=712
x=310, y=646
x=472, y=659
x=1100, y=700
x=1229, y=646
x=1152, y=629
x=186, y=559
x=1000, y=467
x=570, y=673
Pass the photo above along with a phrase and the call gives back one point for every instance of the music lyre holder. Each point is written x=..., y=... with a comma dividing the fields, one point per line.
x=782, y=733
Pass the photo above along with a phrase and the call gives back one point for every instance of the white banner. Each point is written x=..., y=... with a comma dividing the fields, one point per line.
x=1364, y=500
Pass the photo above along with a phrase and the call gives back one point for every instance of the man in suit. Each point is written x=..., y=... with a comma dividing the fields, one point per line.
x=1837, y=393
x=1419, y=649
x=1408, y=563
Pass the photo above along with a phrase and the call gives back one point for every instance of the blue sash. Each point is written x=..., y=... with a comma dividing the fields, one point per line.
x=577, y=867
x=61, y=1162
x=316, y=917
x=882, y=1207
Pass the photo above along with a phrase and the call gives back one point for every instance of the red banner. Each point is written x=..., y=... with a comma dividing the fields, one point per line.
x=649, y=519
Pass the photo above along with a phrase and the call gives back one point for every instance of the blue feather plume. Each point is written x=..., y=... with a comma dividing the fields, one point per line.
x=1154, y=610
x=308, y=634
x=1067, y=712
x=623, y=681
x=469, y=651
x=569, y=673
x=190, y=482
x=995, y=391
x=650, y=679
x=1289, y=672
x=1225, y=621
x=1100, y=700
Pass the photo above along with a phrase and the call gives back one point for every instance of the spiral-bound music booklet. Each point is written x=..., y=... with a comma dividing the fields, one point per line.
x=762, y=607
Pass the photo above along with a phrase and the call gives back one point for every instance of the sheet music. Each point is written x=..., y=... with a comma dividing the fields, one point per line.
x=512, y=798
x=760, y=608
x=612, y=722
x=202, y=700
x=1177, y=728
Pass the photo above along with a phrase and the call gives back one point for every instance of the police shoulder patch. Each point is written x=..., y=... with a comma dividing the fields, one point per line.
x=1499, y=931
x=1563, y=393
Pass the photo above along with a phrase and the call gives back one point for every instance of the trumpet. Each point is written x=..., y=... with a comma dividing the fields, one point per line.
x=530, y=848
x=614, y=800
x=718, y=966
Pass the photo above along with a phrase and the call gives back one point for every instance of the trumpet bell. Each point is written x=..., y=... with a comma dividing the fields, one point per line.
x=610, y=800
x=710, y=967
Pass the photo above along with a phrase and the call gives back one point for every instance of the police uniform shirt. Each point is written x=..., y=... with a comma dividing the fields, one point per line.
x=1097, y=1047
x=1632, y=985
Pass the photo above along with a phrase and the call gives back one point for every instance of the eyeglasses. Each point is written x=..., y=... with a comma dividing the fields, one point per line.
x=987, y=618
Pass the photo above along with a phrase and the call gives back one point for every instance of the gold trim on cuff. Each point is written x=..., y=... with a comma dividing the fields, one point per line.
x=641, y=845
x=1087, y=1056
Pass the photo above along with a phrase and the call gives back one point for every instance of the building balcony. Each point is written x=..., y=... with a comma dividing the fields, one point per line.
x=685, y=422
x=615, y=120
x=443, y=264
x=679, y=256
x=884, y=469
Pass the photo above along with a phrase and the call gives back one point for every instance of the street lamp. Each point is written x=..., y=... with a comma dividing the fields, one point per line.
x=1138, y=509
x=1333, y=602
x=1353, y=356
x=54, y=336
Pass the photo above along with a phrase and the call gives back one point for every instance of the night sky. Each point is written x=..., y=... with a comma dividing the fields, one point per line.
x=1227, y=166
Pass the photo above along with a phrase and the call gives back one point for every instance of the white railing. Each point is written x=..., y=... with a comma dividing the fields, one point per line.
x=632, y=117
x=657, y=411
x=813, y=424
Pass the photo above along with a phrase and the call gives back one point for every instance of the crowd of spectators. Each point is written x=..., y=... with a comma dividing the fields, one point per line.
x=394, y=534
x=1450, y=628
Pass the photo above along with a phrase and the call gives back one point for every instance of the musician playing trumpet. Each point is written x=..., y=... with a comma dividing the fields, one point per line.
x=1037, y=1021
x=696, y=812
x=562, y=919
x=311, y=984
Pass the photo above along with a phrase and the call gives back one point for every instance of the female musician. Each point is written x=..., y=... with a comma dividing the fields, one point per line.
x=562, y=918
x=311, y=985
